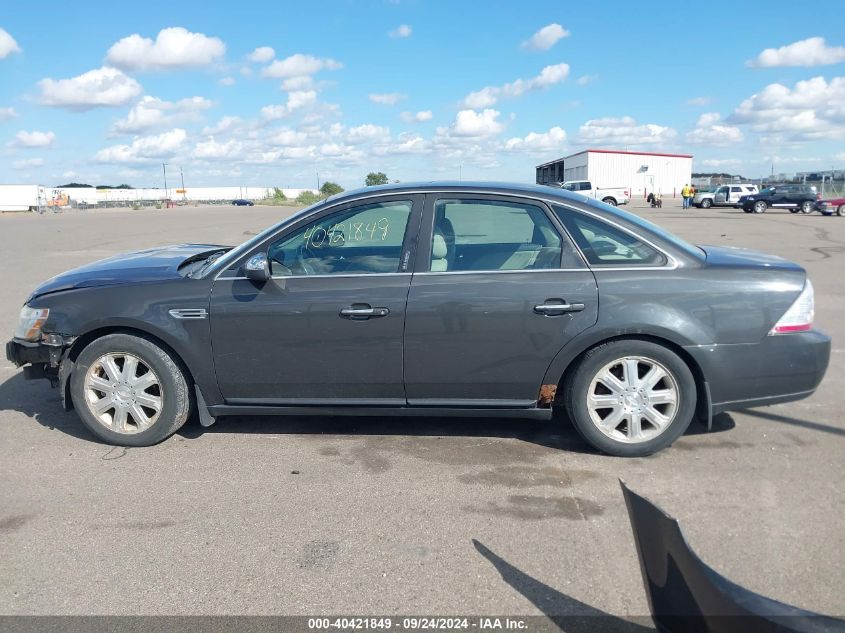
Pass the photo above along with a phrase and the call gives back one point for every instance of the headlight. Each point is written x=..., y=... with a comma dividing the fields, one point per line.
x=30, y=323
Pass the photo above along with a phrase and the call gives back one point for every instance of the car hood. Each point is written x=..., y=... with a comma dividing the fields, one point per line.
x=152, y=264
x=733, y=257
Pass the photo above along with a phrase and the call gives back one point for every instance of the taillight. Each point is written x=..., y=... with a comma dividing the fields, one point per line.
x=627, y=195
x=799, y=317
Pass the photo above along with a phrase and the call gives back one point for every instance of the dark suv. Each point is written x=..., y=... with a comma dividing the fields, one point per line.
x=793, y=197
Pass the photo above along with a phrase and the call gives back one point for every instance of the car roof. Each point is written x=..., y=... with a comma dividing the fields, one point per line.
x=478, y=186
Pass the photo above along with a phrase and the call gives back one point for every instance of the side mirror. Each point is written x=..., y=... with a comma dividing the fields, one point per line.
x=258, y=268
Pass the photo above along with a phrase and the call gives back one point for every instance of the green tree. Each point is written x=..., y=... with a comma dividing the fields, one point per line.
x=307, y=197
x=330, y=189
x=375, y=178
x=278, y=194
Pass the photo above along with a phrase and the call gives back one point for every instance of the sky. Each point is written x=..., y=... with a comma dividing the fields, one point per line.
x=288, y=94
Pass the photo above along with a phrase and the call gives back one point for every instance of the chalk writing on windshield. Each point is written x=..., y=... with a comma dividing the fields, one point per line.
x=346, y=232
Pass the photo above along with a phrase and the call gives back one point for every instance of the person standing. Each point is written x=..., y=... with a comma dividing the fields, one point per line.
x=685, y=195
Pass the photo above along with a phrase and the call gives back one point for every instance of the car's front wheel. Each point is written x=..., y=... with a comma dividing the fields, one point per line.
x=806, y=206
x=706, y=203
x=760, y=206
x=129, y=391
x=630, y=398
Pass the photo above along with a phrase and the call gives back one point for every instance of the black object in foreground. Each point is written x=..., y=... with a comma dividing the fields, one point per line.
x=686, y=595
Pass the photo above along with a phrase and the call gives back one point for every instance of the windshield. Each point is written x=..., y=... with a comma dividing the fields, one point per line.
x=671, y=238
x=236, y=252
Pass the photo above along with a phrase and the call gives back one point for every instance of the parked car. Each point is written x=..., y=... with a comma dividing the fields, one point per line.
x=724, y=196
x=241, y=202
x=609, y=195
x=834, y=206
x=793, y=197
x=430, y=300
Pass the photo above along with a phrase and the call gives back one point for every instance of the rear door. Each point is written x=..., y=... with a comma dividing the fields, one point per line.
x=498, y=290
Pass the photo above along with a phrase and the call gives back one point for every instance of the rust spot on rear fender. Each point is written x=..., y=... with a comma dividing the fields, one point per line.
x=547, y=396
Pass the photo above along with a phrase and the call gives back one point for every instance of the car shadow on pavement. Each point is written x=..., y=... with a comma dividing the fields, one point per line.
x=566, y=612
x=785, y=419
x=36, y=399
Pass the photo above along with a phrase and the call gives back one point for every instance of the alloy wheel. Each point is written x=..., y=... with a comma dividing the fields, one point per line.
x=633, y=399
x=123, y=393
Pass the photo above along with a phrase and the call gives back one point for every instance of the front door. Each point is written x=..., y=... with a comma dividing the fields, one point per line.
x=498, y=291
x=327, y=328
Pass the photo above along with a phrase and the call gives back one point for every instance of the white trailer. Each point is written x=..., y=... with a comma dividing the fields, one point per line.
x=22, y=198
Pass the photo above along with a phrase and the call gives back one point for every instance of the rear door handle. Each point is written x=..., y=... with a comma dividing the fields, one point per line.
x=359, y=311
x=558, y=308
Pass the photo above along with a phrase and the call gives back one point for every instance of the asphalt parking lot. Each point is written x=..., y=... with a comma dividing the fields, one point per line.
x=379, y=516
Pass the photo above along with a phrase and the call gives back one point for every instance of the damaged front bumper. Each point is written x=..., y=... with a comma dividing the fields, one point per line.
x=44, y=359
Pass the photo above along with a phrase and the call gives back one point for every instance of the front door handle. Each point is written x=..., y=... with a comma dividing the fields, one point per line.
x=558, y=308
x=363, y=311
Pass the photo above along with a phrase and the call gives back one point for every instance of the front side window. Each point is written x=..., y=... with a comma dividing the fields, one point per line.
x=364, y=239
x=606, y=245
x=489, y=235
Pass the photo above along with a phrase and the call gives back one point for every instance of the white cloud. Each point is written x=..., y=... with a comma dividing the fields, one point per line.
x=8, y=45
x=34, y=139
x=813, y=51
x=417, y=117
x=299, y=65
x=7, y=113
x=225, y=124
x=286, y=137
x=293, y=84
x=622, y=131
x=586, y=79
x=403, y=30
x=549, y=76
x=296, y=101
x=387, y=98
x=469, y=123
x=699, y=101
x=367, y=133
x=814, y=109
x=724, y=162
x=151, y=112
x=262, y=54
x=546, y=37
x=212, y=150
x=144, y=148
x=101, y=87
x=409, y=144
x=554, y=139
x=28, y=163
x=226, y=81
x=174, y=47
x=711, y=131
x=840, y=156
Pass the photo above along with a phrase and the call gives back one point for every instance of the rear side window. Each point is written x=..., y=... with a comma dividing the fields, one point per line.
x=605, y=245
x=488, y=235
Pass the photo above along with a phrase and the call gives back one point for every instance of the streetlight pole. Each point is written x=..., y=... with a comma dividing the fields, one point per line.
x=164, y=169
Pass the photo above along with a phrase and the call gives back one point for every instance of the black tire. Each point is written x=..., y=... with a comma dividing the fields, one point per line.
x=760, y=206
x=806, y=206
x=706, y=203
x=793, y=210
x=746, y=210
x=840, y=210
x=577, y=387
x=610, y=201
x=174, y=390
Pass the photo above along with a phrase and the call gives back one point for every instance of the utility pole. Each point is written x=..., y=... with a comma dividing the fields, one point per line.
x=164, y=169
x=318, y=181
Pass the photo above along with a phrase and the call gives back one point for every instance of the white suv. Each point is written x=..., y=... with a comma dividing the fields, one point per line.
x=724, y=196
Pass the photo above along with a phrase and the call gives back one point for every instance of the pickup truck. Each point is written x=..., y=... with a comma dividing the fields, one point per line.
x=609, y=195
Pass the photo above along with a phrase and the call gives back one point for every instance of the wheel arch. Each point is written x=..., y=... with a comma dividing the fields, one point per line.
x=82, y=341
x=564, y=367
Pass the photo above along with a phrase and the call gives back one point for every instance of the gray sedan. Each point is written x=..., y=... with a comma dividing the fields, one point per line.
x=447, y=299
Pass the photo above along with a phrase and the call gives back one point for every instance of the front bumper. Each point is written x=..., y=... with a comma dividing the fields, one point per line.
x=779, y=368
x=21, y=353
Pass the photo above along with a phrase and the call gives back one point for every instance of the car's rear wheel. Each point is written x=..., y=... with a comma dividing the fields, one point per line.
x=806, y=206
x=609, y=201
x=706, y=203
x=840, y=211
x=630, y=398
x=128, y=391
x=760, y=206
